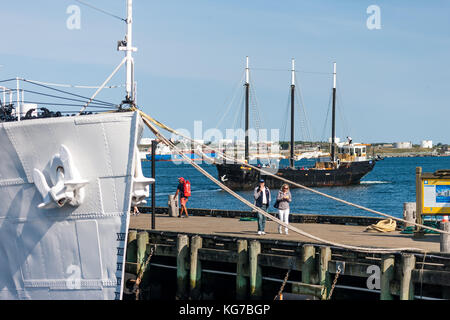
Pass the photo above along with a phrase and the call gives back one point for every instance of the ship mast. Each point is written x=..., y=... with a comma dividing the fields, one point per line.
x=247, y=97
x=130, y=92
x=333, y=124
x=291, y=159
x=127, y=46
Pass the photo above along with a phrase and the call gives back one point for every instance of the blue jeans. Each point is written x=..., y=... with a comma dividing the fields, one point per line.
x=262, y=219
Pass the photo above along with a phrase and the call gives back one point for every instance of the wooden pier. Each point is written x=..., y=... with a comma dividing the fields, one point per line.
x=211, y=257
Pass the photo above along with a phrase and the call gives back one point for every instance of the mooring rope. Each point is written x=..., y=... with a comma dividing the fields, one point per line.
x=286, y=180
x=266, y=214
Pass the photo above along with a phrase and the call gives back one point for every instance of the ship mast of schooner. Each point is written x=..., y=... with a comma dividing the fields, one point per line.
x=292, y=155
x=333, y=123
x=247, y=98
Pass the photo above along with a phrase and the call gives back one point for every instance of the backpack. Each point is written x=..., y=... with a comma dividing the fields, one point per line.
x=187, y=188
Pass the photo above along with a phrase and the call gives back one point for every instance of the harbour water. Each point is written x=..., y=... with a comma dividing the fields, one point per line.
x=386, y=188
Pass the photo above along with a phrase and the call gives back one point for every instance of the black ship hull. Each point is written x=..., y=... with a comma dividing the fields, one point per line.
x=240, y=177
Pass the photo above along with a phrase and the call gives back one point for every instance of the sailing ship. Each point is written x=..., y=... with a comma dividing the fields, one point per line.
x=348, y=162
x=66, y=187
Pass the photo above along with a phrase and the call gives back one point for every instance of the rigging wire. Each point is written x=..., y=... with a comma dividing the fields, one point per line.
x=229, y=106
x=68, y=93
x=339, y=99
x=76, y=86
x=66, y=104
x=61, y=97
x=307, y=126
x=255, y=110
x=326, y=118
x=286, y=118
x=101, y=10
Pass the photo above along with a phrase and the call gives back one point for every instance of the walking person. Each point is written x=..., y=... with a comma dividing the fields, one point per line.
x=262, y=200
x=184, y=188
x=284, y=198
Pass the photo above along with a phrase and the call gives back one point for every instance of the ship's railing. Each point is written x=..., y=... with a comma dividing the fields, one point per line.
x=22, y=99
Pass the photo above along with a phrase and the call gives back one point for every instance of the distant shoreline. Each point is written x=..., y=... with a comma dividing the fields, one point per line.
x=410, y=155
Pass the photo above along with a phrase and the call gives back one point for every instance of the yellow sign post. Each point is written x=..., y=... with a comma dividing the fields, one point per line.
x=432, y=193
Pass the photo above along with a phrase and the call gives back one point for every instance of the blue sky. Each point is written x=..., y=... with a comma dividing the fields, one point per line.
x=393, y=83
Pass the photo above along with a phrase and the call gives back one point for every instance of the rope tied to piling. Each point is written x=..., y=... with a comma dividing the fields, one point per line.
x=336, y=276
x=143, y=267
x=279, y=295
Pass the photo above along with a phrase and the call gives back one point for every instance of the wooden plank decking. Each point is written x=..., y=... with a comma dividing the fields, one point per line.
x=233, y=227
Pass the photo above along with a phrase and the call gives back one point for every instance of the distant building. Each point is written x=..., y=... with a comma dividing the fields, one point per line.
x=403, y=145
x=426, y=144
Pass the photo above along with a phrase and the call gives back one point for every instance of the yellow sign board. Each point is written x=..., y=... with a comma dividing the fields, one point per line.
x=435, y=196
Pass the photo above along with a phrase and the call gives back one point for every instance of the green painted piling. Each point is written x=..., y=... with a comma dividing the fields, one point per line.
x=255, y=270
x=195, y=268
x=242, y=270
x=387, y=275
x=131, y=254
x=308, y=263
x=142, y=240
x=182, y=274
x=324, y=275
x=308, y=259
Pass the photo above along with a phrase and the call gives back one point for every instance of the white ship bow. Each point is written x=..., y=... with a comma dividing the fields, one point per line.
x=68, y=249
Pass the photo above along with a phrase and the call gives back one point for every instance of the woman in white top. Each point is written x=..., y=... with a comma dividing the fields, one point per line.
x=284, y=198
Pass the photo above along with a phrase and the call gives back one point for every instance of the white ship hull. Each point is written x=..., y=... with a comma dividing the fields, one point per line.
x=66, y=252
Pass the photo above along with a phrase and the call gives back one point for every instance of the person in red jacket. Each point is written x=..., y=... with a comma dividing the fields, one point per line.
x=183, y=197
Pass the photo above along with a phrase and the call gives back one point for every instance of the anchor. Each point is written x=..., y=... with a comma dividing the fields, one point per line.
x=68, y=187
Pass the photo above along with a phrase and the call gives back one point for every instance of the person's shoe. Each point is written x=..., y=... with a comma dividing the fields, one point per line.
x=263, y=233
x=259, y=233
x=279, y=231
x=287, y=232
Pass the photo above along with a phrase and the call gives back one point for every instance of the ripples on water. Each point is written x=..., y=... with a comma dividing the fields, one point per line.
x=386, y=188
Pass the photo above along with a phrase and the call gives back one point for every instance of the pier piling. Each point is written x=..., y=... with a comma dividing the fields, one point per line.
x=406, y=284
x=142, y=240
x=324, y=275
x=242, y=270
x=182, y=274
x=195, y=268
x=255, y=270
x=387, y=275
x=308, y=259
x=131, y=255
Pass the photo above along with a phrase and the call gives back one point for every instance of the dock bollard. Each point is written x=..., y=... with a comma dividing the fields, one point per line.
x=173, y=206
x=445, y=238
x=409, y=213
